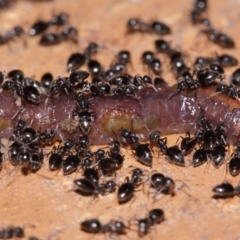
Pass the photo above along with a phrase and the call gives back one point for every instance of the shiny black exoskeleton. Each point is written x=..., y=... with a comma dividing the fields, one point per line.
x=173, y=154
x=159, y=28
x=113, y=227
x=207, y=76
x=38, y=28
x=67, y=34
x=235, y=78
x=228, y=90
x=226, y=190
x=119, y=65
x=85, y=119
x=16, y=32
x=87, y=186
x=24, y=88
x=221, y=39
x=25, y=149
x=91, y=226
x=137, y=25
x=126, y=190
x=162, y=184
x=155, y=216
x=141, y=151
x=151, y=62
x=92, y=175
x=59, y=20
x=70, y=164
x=60, y=85
x=57, y=154
x=46, y=81
x=162, y=46
x=199, y=157
x=12, y=232
x=100, y=89
x=75, y=61
x=234, y=163
x=187, y=144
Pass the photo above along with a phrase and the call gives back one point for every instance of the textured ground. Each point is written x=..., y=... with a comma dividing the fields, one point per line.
x=49, y=203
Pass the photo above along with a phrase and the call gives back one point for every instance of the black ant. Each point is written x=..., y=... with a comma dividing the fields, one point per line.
x=159, y=28
x=225, y=60
x=82, y=146
x=137, y=25
x=84, y=117
x=94, y=226
x=208, y=76
x=186, y=83
x=107, y=187
x=90, y=50
x=162, y=46
x=114, y=227
x=75, y=61
x=68, y=34
x=115, y=154
x=126, y=190
x=100, y=89
x=25, y=149
x=46, y=81
x=152, y=62
x=46, y=137
x=199, y=157
x=155, y=216
x=110, y=162
x=234, y=163
x=59, y=20
x=162, y=184
x=221, y=39
x=92, y=175
x=173, y=154
x=23, y=88
x=16, y=75
x=119, y=65
x=61, y=84
x=95, y=68
x=155, y=27
x=107, y=166
x=11, y=35
x=226, y=190
x=178, y=64
x=230, y=90
x=38, y=28
x=235, y=78
x=78, y=78
x=57, y=154
x=141, y=151
x=217, y=155
x=12, y=232
x=187, y=144
x=204, y=61
x=91, y=226
x=87, y=186
x=70, y=164
x=200, y=6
